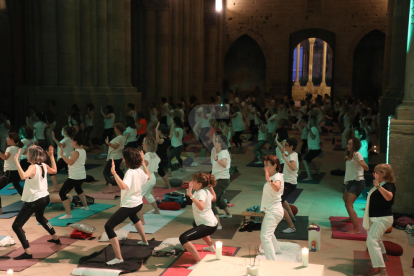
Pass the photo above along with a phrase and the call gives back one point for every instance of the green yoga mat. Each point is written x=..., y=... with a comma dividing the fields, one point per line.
x=79, y=214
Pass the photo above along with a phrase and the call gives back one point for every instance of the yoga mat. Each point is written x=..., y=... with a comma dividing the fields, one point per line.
x=11, y=210
x=340, y=228
x=177, y=174
x=185, y=260
x=6, y=191
x=338, y=148
x=154, y=222
x=41, y=249
x=294, y=196
x=160, y=192
x=134, y=256
x=363, y=265
x=79, y=214
x=234, y=176
x=87, y=167
x=252, y=164
x=301, y=225
x=316, y=178
x=230, y=227
x=230, y=194
x=111, y=196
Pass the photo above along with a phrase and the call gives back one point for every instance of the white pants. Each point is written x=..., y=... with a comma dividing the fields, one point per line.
x=374, y=243
x=48, y=134
x=267, y=233
x=147, y=189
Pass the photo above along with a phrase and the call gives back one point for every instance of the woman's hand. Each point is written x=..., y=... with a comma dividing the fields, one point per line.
x=16, y=157
x=107, y=141
x=214, y=154
x=267, y=176
x=190, y=189
x=141, y=153
x=50, y=151
x=376, y=182
x=113, y=171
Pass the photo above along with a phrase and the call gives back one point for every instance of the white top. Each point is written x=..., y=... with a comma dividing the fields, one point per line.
x=9, y=164
x=132, y=196
x=290, y=176
x=256, y=119
x=238, y=124
x=68, y=149
x=77, y=170
x=250, y=116
x=364, y=148
x=109, y=123
x=134, y=115
x=353, y=170
x=271, y=126
x=313, y=144
x=177, y=141
x=40, y=130
x=347, y=121
x=27, y=143
x=36, y=187
x=3, y=130
x=218, y=171
x=270, y=198
x=116, y=153
x=165, y=112
x=206, y=216
x=304, y=133
x=153, y=117
x=153, y=162
x=132, y=134
x=88, y=121
x=262, y=135
x=206, y=121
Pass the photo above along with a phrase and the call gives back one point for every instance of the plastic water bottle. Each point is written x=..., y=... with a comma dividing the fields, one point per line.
x=158, y=201
x=313, y=249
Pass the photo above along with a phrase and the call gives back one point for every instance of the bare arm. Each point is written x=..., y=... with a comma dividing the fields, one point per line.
x=5, y=156
x=70, y=161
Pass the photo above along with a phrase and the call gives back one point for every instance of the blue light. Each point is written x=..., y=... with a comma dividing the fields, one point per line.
x=388, y=139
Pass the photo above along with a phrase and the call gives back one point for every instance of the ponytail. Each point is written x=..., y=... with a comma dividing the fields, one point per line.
x=205, y=179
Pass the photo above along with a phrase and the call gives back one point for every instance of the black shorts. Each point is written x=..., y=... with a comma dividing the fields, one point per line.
x=311, y=155
x=355, y=187
x=289, y=188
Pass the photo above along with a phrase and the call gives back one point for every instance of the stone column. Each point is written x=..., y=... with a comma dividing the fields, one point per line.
x=297, y=83
x=176, y=49
x=151, y=54
x=220, y=56
x=85, y=43
x=197, y=63
x=388, y=45
x=186, y=56
x=325, y=47
x=311, y=43
x=102, y=43
x=49, y=42
x=117, y=33
x=210, y=56
x=128, y=46
x=394, y=92
x=163, y=50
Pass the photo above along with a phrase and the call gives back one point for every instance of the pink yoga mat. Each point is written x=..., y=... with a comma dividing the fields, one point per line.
x=111, y=196
x=159, y=192
x=340, y=228
x=363, y=265
x=41, y=249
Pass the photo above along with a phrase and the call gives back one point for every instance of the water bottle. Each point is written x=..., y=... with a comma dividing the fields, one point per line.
x=313, y=249
x=158, y=201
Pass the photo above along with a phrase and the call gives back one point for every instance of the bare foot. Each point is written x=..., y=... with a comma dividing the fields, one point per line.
x=378, y=271
x=385, y=257
x=354, y=232
x=156, y=212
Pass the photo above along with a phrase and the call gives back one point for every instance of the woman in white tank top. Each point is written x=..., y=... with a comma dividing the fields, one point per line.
x=77, y=174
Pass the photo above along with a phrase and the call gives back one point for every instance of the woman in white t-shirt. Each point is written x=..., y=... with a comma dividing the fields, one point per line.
x=313, y=145
x=205, y=223
x=152, y=162
x=26, y=135
x=354, y=180
x=176, y=136
x=39, y=132
x=11, y=175
x=130, y=133
x=206, y=125
x=131, y=199
x=115, y=146
x=4, y=130
x=108, y=134
x=35, y=196
x=272, y=206
x=238, y=127
x=77, y=175
x=65, y=144
x=221, y=164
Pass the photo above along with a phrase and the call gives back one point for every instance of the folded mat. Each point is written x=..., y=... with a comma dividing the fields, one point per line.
x=41, y=249
x=294, y=196
x=230, y=227
x=87, y=167
x=134, y=255
x=6, y=191
x=340, y=229
x=185, y=260
x=11, y=210
x=160, y=192
x=316, y=178
x=363, y=265
x=301, y=225
x=79, y=214
x=101, y=195
x=154, y=222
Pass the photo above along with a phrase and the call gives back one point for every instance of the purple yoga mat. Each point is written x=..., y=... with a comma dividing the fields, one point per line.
x=111, y=196
x=41, y=249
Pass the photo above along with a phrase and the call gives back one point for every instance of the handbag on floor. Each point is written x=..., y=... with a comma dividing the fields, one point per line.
x=175, y=197
x=77, y=201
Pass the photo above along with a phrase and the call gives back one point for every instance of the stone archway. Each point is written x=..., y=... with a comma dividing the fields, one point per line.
x=245, y=65
x=368, y=62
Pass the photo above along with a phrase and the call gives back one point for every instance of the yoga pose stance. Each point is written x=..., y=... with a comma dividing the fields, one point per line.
x=272, y=206
x=378, y=216
x=354, y=180
x=313, y=145
x=35, y=195
x=131, y=199
x=205, y=223
x=161, y=138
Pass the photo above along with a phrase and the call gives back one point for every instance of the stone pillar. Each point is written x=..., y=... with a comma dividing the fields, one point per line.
x=151, y=54
x=163, y=51
x=394, y=92
x=186, y=56
x=325, y=47
x=49, y=42
x=210, y=53
x=102, y=43
x=117, y=42
x=128, y=47
x=176, y=49
x=311, y=43
x=85, y=43
x=220, y=55
x=297, y=83
x=388, y=44
x=197, y=63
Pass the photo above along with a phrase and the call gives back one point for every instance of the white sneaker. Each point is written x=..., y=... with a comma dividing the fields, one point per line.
x=192, y=267
x=289, y=230
x=219, y=227
x=66, y=216
x=225, y=216
x=142, y=243
x=86, y=208
x=210, y=248
x=114, y=261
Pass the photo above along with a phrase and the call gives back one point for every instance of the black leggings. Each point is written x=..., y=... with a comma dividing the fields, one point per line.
x=141, y=139
x=119, y=216
x=107, y=171
x=197, y=232
x=108, y=133
x=175, y=152
x=11, y=177
x=68, y=186
x=60, y=164
x=38, y=208
x=236, y=138
x=163, y=164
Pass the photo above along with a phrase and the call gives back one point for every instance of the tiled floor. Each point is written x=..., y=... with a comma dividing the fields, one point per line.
x=319, y=202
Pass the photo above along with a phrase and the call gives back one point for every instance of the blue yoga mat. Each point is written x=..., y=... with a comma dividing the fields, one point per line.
x=79, y=214
x=154, y=222
x=6, y=191
x=87, y=167
x=11, y=210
